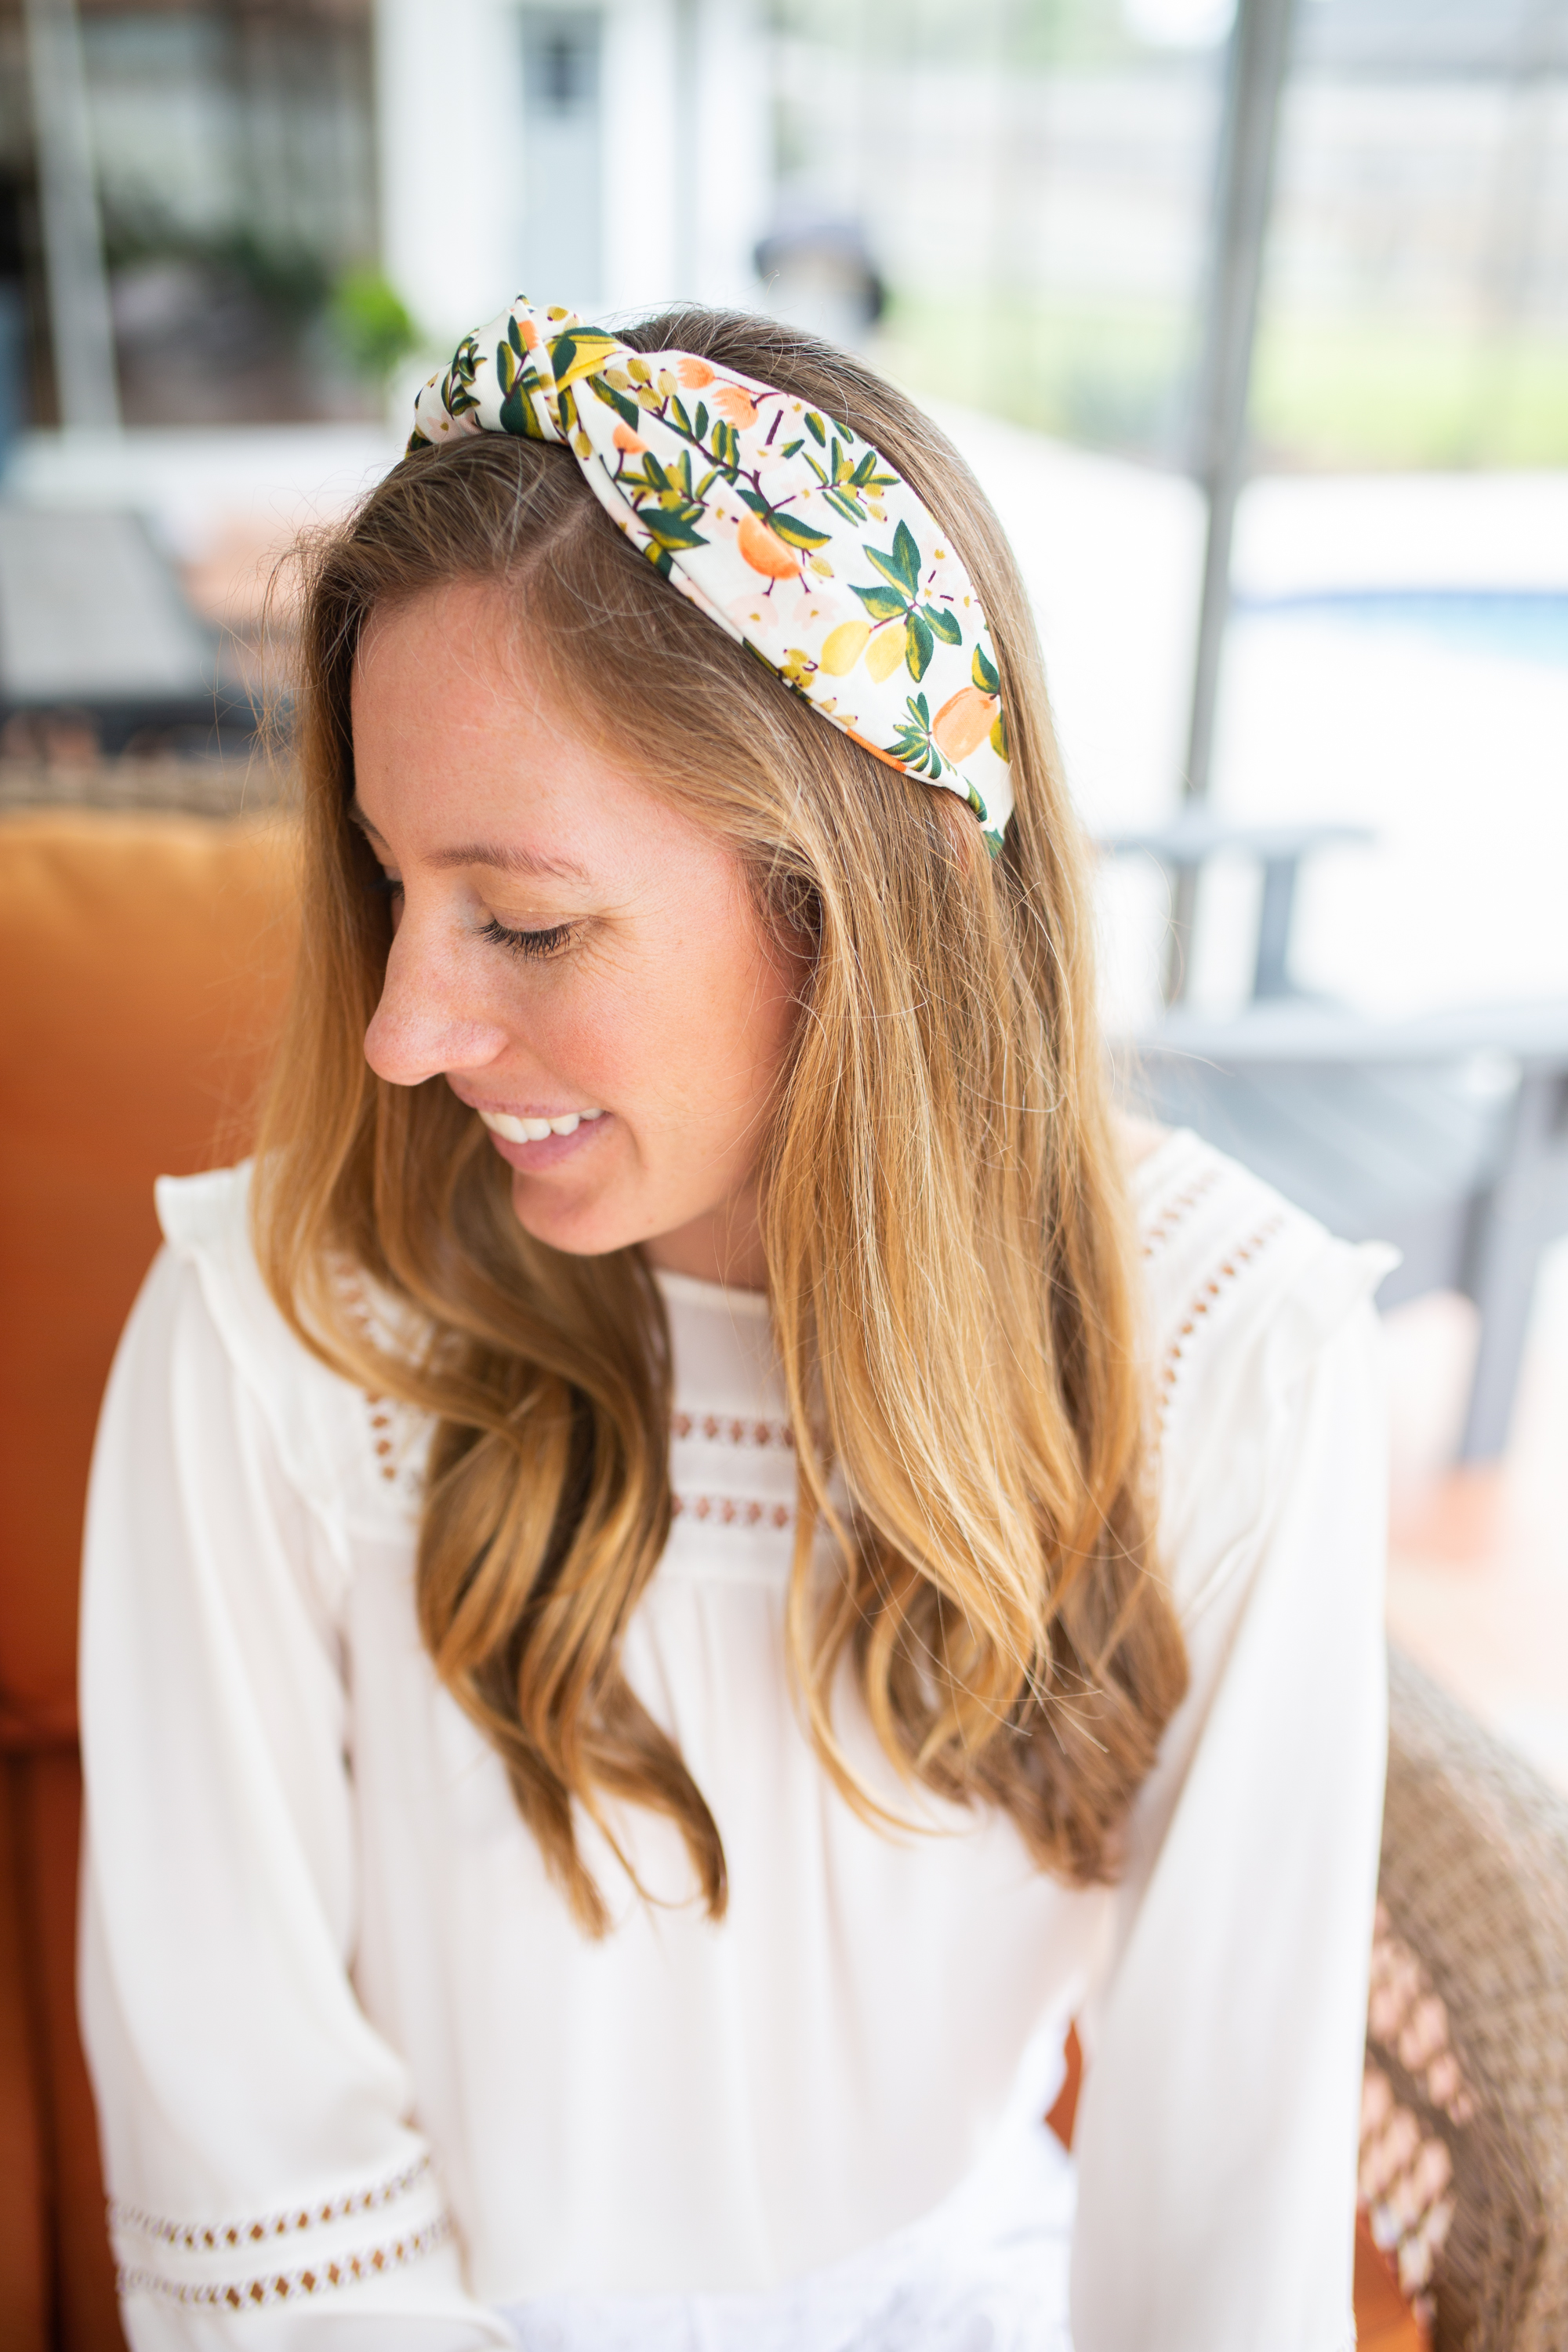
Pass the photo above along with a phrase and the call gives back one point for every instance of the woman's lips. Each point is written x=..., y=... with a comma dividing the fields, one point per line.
x=533, y=1145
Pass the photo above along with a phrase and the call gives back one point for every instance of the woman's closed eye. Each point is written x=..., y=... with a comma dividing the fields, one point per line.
x=546, y=939
x=546, y=942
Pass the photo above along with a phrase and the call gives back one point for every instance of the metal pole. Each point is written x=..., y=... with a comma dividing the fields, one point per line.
x=85, y=387
x=1259, y=47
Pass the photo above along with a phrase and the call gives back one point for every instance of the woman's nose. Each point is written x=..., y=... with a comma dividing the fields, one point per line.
x=432, y=1016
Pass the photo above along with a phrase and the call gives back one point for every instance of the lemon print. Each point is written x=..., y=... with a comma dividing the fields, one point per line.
x=887, y=653
x=844, y=647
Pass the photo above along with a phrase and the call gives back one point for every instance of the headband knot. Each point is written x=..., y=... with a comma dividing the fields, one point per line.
x=791, y=534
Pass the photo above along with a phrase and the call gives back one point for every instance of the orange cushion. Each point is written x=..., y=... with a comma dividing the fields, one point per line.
x=143, y=959
x=24, y=2259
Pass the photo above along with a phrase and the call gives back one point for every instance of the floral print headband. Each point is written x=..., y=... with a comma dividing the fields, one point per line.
x=789, y=532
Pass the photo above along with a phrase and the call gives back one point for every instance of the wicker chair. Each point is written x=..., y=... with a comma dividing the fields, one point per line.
x=1464, y=2153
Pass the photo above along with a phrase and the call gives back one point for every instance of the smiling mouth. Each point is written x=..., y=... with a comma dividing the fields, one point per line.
x=534, y=1131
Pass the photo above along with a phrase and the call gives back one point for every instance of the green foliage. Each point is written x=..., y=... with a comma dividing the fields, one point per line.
x=293, y=281
x=1346, y=391
x=1107, y=374
x=371, y=323
x=1399, y=391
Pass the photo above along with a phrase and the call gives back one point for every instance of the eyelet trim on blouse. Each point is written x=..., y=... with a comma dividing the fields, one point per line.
x=201, y=2238
x=1175, y=1212
x=720, y=1429
x=731, y=1511
x=271, y=2286
x=380, y=1411
x=397, y=1431
x=290, y=2286
x=1212, y=1291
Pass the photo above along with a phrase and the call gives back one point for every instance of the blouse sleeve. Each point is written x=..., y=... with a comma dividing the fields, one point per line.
x=1217, y=2133
x=268, y=2185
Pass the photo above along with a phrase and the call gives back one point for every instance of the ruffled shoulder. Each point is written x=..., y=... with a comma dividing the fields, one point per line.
x=1243, y=1292
x=357, y=1459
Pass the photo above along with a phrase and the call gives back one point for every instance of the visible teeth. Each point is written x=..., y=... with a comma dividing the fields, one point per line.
x=534, y=1131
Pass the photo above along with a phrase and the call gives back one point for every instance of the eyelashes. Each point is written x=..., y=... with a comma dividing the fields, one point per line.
x=528, y=943
x=538, y=944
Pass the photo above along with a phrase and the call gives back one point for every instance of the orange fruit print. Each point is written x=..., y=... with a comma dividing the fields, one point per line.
x=963, y=722
x=764, y=550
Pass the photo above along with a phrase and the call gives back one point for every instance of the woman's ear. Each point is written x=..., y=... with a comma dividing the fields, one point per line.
x=794, y=913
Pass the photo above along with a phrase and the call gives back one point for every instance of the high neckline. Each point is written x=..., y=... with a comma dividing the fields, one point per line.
x=716, y=1297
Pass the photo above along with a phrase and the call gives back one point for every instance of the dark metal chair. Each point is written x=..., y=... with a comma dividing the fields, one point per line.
x=1445, y=1134
x=94, y=629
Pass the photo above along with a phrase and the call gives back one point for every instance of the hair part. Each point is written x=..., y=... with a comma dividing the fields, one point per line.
x=948, y=1242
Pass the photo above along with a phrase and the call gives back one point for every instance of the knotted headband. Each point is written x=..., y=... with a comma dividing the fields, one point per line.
x=783, y=526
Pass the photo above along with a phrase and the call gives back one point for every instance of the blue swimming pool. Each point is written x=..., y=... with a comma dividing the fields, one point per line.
x=1526, y=624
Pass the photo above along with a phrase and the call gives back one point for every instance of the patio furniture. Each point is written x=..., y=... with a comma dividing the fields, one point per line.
x=1445, y=1134
x=142, y=962
x=1465, y=2157
x=1185, y=846
x=95, y=631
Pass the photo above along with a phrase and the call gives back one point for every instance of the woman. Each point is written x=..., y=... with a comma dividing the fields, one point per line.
x=709, y=1553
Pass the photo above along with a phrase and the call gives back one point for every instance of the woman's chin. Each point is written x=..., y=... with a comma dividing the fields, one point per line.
x=578, y=1220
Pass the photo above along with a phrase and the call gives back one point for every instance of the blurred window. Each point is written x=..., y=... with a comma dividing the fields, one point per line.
x=1416, y=303
x=1034, y=180
x=562, y=236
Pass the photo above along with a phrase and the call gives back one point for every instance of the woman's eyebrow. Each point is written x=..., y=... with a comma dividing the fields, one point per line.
x=501, y=857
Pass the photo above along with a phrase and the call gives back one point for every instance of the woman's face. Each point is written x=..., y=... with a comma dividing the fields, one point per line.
x=580, y=961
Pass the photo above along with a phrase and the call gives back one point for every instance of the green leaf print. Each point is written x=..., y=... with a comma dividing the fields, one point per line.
x=627, y=410
x=814, y=428
x=673, y=526
x=902, y=567
x=944, y=625
x=882, y=604
x=913, y=746
x=795, y=534
x=517, y=410
x=983, y=670
x=458, y=394
x=919, y=648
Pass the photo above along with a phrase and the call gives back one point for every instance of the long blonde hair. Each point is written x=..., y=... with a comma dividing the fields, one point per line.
x=947, y=1239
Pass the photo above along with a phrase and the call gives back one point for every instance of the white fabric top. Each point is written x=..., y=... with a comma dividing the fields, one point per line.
x=364, y=2087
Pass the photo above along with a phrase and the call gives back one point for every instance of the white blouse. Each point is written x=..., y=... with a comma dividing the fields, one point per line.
x=364, y=2087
